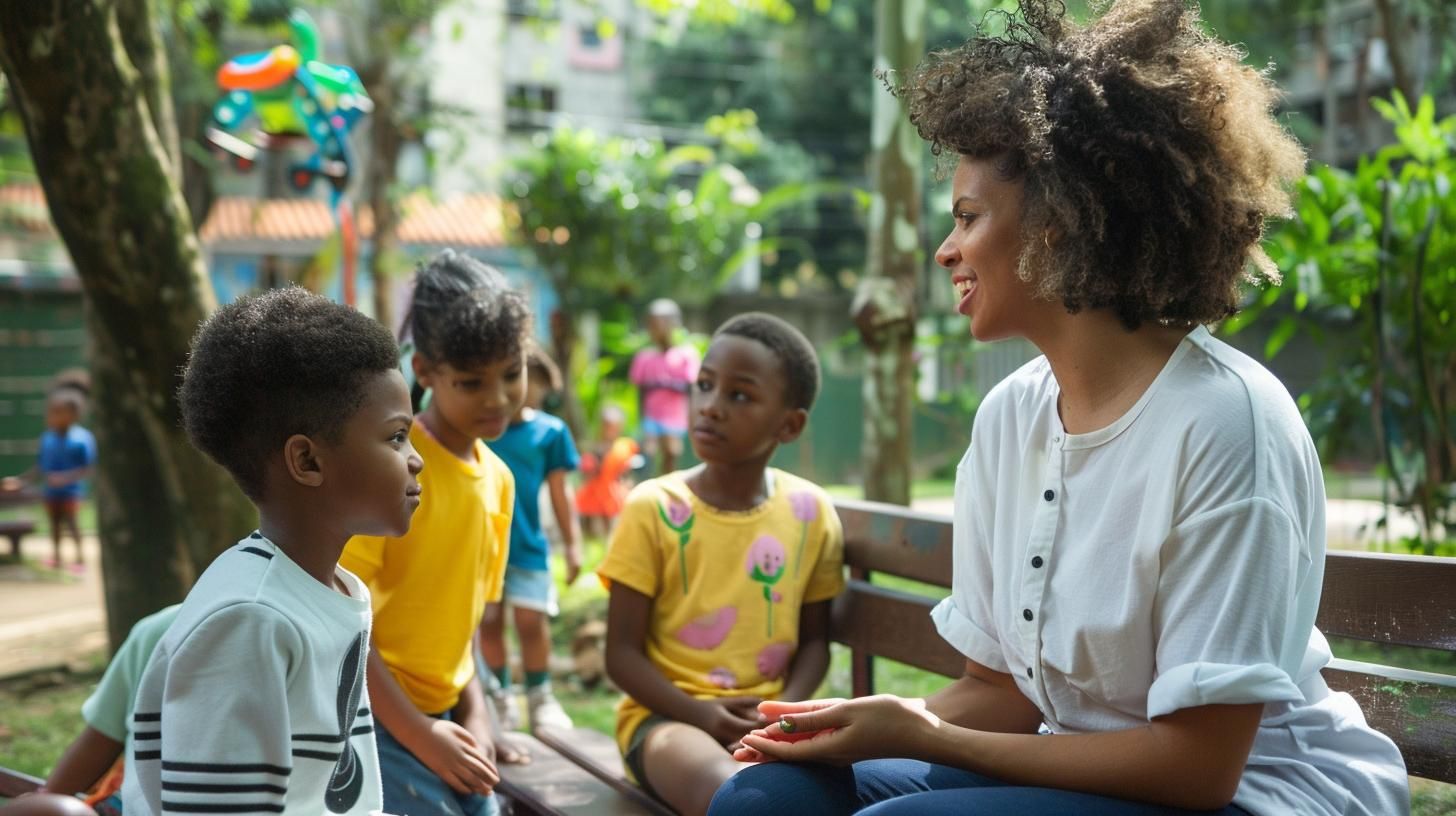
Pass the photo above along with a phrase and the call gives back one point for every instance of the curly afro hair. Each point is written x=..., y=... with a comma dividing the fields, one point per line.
x=277, y=364
x=1150, y=156
x=465, y=313
x=795, y=353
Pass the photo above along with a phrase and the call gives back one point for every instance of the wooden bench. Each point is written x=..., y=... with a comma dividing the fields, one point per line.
x=1399, y=600
x=16, y=530
x=1392, y=599
x=14, y=783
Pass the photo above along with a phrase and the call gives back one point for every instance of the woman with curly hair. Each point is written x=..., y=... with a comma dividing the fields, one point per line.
x=1139, y=519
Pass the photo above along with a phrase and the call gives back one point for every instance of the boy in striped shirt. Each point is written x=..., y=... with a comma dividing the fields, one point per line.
x=255, y=699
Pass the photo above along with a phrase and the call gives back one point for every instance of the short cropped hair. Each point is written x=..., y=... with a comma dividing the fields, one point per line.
x=789, y=345
x=273, y=365
x=1150, y=154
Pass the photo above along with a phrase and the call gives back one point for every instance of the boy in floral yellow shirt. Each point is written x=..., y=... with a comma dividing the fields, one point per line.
x=721, y=576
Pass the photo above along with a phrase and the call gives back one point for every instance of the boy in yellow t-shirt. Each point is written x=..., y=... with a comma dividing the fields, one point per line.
x=436, y=750
x=721, y=576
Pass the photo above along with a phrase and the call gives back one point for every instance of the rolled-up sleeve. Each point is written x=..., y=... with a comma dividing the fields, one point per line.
x=965, y=619
x=1231, y=618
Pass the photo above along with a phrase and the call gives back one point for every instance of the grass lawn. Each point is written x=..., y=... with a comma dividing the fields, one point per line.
x=41, y=713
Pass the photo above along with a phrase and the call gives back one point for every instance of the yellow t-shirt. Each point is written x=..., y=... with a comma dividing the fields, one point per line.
x=726, y=586
x=431, y=586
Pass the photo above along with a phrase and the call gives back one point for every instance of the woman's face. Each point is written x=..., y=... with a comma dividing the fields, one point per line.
x=983, y=250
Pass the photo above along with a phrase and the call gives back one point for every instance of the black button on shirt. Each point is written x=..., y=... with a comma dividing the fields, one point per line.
x=1049, y=495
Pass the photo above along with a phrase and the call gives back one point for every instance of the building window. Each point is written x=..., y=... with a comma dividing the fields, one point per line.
x=532, y=11
x=529, y=107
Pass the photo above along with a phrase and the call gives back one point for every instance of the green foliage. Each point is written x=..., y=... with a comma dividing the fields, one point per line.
x=727, y=12
x=810, y=83
x=616, y=221
x=1370, y=270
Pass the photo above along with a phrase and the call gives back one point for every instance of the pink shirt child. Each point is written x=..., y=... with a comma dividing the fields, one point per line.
x=664, y=378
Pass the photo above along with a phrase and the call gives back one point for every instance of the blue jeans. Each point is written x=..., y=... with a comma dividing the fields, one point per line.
x=412, y=789
x=907, y=787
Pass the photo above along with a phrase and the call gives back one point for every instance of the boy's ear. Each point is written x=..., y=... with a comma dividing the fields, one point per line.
x=300, y=458
x=793, y=425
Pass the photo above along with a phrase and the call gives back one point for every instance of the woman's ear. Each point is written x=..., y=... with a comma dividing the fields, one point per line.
x=793, y=425
x=301, y=459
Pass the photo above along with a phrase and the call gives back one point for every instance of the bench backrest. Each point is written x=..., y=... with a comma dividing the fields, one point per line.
x=1399, y=600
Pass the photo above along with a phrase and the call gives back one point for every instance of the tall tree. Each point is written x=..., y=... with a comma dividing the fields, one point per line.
x=383, y=50
x=884, y=305
x=99, y=147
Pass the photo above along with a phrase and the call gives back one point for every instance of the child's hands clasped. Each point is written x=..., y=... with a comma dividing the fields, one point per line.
x=839, y=731
x=457, y=757
x=727, y=719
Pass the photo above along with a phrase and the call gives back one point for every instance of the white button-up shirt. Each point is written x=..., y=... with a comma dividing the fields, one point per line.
x=1171, y=559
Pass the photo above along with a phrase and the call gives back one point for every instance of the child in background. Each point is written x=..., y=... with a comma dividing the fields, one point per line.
x=721, y=576
x=67, y=454
x=663, y=374
x=255, y=699
x=540, y=452
x=90, y=765
x=437, y=751
x=605, y=467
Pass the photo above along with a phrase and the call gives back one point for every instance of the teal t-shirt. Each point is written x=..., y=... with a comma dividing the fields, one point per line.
x=108, y=709
x=534, y=448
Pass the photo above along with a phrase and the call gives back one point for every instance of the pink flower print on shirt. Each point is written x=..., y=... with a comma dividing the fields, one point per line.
x=723, y=678
x=766, y=566
x=710, y=630
x=806, y=509
x=678, y=516
x=773, y=660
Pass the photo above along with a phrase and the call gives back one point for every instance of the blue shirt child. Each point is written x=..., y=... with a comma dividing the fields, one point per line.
x=533, y=448
x=68, y=450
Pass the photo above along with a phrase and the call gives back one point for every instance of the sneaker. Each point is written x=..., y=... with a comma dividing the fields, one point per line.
x=507, y=713
x=545, y=711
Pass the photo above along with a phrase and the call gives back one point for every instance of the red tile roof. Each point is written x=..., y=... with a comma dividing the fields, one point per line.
x=474, y=220
x=24, y=206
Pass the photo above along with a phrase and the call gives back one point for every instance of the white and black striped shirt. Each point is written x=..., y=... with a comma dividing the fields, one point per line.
x=255, y=700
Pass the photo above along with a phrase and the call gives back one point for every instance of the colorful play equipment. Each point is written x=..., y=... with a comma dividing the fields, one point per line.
x=293, y=95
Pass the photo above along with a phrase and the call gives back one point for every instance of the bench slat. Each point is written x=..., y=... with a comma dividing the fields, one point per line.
x=14, y=783
x=893, y=624
x=597, y=754
x=551, y=785
x=1417, y=709
x=1398, y=599
x=1408, y=600
x=892, y=539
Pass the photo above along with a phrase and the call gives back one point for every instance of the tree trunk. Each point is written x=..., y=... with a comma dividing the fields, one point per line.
x=195, y=31
x=1395, y=45
x=165, y=510
x=884, y=306
x=564, y=341
x=386, y=140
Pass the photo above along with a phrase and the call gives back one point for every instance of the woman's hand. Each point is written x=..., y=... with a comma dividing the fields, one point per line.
x=840, y=731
